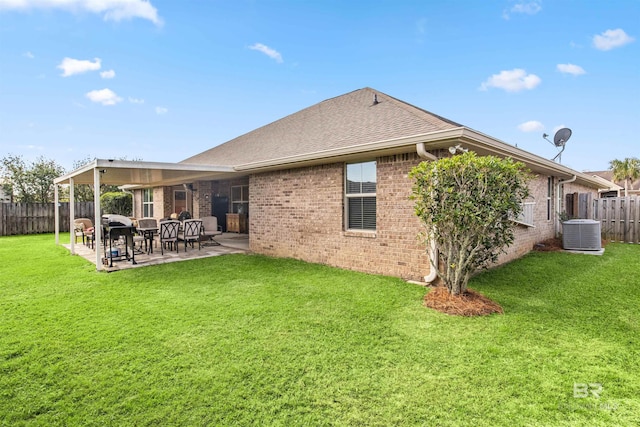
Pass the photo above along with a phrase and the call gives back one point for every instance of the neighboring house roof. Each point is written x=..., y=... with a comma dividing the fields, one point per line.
x=337, y=123
x=608, y=175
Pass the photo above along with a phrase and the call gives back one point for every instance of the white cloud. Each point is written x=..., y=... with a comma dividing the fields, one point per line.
x=576, y=70
x=108, y=74
x=512, y=80
x=28, y=54
x=611, y=39
x=161, y=110
x=104, y=97
x=136, y=100
x=111, y=10
x=531, y=126
x=524, y=7
x=271, y=53
x=70, y=66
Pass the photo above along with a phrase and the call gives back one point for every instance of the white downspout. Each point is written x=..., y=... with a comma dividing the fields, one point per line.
x=421, y=149
x=433, y=249
x=559, y=202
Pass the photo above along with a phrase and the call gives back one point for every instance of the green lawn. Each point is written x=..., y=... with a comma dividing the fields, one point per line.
x=251, y=340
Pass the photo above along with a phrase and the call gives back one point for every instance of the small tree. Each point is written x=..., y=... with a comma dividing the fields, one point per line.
x=625, y=170
x=468, y=204
x=120, y=203
x=84, y=192
x=30, y=183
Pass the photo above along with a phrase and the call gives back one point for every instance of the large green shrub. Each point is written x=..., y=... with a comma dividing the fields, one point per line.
x=467, y=203
x=120, y=203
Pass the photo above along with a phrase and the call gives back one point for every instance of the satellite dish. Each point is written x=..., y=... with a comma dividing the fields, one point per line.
x=561, y=137
x=559, y=140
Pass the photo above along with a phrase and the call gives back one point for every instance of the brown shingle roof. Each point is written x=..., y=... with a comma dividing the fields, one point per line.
x=339, y=122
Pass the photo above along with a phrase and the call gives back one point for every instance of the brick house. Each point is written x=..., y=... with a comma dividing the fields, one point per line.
x=329, y=184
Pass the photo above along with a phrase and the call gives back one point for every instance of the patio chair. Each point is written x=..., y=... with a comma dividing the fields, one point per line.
x=83, y=227
x=210, y=229
x=169, y=234
x=148, y=229
x=190, y=232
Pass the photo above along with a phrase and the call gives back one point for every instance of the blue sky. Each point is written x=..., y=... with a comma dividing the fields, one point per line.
x=164, y=80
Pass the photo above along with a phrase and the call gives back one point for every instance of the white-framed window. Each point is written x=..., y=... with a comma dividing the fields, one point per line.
x=147, y=202
x=240, y=199
x=526, y=216
x=360, y=195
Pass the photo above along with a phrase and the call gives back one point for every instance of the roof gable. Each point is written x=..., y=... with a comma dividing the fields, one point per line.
x=355, y=118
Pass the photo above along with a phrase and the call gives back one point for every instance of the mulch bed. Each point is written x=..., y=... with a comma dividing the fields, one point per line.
x=555, y=244
x=470, y=303
x=549, y=245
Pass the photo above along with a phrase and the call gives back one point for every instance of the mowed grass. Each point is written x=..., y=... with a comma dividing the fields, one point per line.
x=251, y=340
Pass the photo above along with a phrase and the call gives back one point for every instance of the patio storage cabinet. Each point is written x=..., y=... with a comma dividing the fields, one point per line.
x=236, y=223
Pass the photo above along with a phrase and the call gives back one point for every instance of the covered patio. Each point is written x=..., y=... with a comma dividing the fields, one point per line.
x=230, y=243
x=133, y=175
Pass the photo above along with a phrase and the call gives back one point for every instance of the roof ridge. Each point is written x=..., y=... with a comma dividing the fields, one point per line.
x=412, y=109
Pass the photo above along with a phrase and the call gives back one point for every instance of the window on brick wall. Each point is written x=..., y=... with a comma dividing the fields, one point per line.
x=360, y=195
x=240, y=199
x=147, y=202
x=527, y=214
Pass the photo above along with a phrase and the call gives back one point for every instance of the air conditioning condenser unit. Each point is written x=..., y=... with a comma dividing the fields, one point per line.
x=581, y=235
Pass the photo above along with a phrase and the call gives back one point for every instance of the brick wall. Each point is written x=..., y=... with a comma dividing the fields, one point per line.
x=299, y=213
x=543, y=228
x=527, y=237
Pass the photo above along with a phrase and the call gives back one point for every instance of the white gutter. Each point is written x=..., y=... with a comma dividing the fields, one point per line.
x=559, y=201
x=432, y=253
x=440, y=139
x=439, y=136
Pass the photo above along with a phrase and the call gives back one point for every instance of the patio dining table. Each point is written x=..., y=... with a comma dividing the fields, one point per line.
x=148, y=233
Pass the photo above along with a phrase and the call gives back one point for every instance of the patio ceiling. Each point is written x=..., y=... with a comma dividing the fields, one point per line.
x=145, y=174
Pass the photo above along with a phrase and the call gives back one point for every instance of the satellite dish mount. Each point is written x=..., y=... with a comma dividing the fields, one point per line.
x=559, y=141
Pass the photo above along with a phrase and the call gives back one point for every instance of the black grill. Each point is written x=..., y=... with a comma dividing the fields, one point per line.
x=113, y=228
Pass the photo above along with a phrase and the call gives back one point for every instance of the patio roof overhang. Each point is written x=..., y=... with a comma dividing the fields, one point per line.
x=137, y=174
x=129, y=174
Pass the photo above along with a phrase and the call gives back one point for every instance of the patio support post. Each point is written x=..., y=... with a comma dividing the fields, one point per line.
x=97, y=220
x=72, y=217
x=56, y=210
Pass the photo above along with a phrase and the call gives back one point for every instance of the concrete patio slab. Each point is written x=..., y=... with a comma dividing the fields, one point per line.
x=230, y=243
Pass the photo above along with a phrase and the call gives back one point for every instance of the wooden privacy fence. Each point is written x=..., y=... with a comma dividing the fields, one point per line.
x=34, y=218
x=619, y=218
